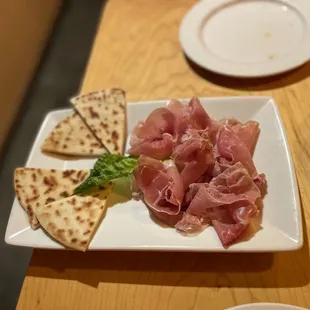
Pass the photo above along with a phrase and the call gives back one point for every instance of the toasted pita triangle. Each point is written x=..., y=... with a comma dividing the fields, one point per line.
x=37, y=187
x=73, y=221
x=105, y=114
x=72, y=137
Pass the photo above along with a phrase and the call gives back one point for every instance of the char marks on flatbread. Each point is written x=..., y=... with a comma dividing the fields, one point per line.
x=37, y=187
x=73, y=221
x=72, y=137
x=105, y=113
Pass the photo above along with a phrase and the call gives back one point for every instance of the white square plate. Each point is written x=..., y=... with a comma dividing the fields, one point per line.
x=127, y=224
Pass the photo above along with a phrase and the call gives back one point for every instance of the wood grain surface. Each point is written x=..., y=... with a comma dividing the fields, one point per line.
x=137, y=48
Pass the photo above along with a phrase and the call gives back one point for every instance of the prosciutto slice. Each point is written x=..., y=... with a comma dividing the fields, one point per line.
x=168, y=219
x=228, y=233
x=248, y=133
x=154, y=136
x=193, y=156
x=193, y=116
x=228, y=202
x=160, y=183
x=230, y=149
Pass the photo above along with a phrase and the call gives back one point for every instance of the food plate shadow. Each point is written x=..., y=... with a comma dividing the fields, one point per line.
x=173, y=269
x=250, y=270
x=252, y=84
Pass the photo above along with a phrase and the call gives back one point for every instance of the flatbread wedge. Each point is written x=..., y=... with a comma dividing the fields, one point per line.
x=105, y=114
x=71, y=136
x=37, y=187
x=73, y=221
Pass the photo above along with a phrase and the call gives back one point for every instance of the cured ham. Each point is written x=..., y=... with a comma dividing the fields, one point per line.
x=228, y=233
x=261, y=183
x=165, y=127
x=228, y=199
x=168, y=219
x=230, y=149
x=194, y=172
x=248, y=133
x=193, y=156
x=191, y=116
x=160, y=183
x=153, y=137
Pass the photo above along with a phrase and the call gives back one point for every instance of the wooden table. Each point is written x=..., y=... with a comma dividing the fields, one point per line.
x=137, y=48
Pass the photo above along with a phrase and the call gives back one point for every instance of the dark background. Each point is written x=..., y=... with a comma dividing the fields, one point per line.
x=58, y=78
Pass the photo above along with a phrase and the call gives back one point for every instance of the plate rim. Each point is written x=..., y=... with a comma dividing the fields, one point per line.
x=190, y=43
x=285, y=306
x=269, y=100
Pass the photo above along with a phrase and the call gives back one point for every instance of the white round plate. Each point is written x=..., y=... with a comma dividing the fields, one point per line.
x=247, y=38
x=266, y=306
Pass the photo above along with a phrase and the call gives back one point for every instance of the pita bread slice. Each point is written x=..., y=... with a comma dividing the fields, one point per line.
x=72, y=137
x=73, y=221
x=105, y=114
x=37, y=187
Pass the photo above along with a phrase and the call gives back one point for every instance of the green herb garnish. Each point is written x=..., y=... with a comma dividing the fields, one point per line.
x=108, y=167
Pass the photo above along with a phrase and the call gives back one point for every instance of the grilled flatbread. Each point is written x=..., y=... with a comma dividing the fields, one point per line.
x=105, y=114
x=37, y=187
x=73, y=221
x=72, y=137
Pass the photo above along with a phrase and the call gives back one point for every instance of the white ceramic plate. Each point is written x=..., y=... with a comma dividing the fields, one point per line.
x=266, y=306
x=247, y=38
x=128, y=225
